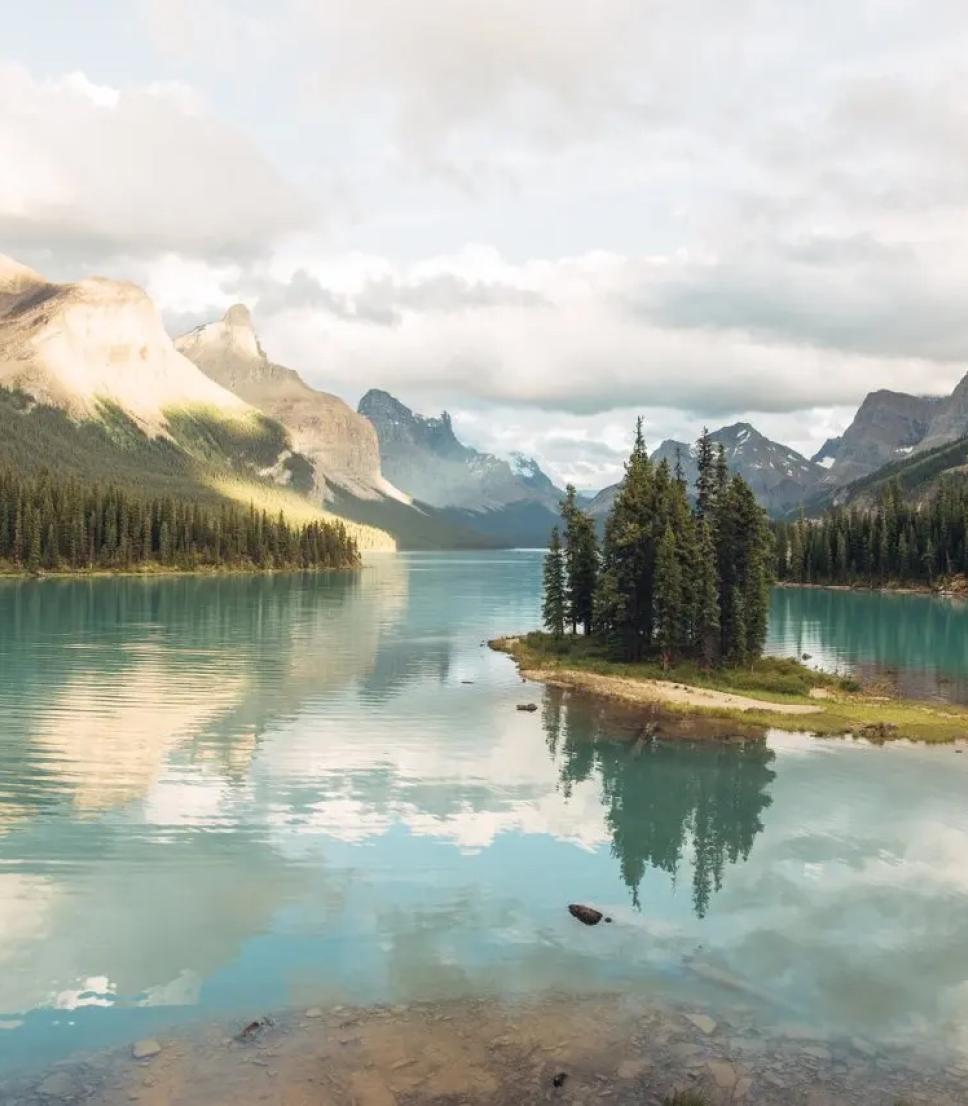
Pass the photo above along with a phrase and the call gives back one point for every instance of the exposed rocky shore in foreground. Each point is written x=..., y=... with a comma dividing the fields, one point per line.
x=557, y=1049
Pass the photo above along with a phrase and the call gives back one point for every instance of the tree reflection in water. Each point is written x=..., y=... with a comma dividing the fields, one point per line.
x=667, y=802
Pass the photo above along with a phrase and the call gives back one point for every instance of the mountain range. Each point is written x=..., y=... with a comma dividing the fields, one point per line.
x=780, y=477
x=92, y=384
x=509, y=500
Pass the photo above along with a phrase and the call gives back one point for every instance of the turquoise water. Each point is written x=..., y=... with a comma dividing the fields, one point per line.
x=224, y=796
x=917, y=643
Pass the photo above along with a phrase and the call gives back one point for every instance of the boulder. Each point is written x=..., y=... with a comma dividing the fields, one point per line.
x=586, y=914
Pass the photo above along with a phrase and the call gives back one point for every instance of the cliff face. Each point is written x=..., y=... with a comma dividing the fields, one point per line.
x=950, y=419
x=424, y=457
x=77, y=346
x=341, y=445
x=888, y=425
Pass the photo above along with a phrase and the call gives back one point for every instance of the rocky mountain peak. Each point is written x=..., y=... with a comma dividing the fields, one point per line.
x=341, y=446
x=16, y=278
x=950, y=418
x=887, y=426
x=423, y=456
x=77, y=345
x=394, y=421
x=780, y=477
x=238, y=315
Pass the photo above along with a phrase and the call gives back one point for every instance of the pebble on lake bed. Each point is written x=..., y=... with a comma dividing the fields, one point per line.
x=144, y=1050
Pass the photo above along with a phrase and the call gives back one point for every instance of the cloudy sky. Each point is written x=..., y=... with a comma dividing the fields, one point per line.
x=544, y=215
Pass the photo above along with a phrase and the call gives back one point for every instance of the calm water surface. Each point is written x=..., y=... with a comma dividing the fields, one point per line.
x=916, y=643
x=241, y=794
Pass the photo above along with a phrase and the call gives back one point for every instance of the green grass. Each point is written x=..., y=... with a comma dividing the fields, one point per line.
x=776, y=681
x=685, y=1098
x=780, y=679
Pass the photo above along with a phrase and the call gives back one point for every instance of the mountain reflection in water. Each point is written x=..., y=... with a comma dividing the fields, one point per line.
x=226, y=796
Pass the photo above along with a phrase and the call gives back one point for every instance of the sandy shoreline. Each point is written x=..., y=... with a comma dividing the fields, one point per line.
x=658, y=691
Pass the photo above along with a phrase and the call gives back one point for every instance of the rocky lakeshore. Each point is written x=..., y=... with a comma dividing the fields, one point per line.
x=558, y=1049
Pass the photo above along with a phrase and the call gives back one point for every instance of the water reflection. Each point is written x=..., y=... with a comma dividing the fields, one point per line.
x=917, y=643
x=240, y=794
x=664, y=800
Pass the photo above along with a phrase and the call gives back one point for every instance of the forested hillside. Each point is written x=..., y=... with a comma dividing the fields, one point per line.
x=898, y=541
x=204, y=459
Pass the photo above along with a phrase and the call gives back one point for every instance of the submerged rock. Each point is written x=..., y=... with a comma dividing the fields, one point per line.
x=58, y=1085
x=703, y=1022
x=253, y=1029
x=587, y=914
x=144, y=1050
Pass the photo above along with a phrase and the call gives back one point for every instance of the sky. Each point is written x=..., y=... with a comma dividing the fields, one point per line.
x=546, y=216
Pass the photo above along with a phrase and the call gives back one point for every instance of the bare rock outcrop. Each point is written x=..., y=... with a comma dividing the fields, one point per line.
x=341, y=445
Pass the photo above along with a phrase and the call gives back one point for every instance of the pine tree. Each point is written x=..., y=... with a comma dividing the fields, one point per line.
x=581, y=563
x=706, y=621
x=553, y=607
x=624, y=604
x=668, y=599
x=706, y=480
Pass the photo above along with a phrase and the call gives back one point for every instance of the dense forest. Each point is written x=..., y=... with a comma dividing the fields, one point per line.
x=896, y=542
x=53, y=525
x=671, y=579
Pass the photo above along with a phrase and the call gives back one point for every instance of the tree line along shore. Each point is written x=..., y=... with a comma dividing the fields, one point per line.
x=895, y=544
x=55, y=526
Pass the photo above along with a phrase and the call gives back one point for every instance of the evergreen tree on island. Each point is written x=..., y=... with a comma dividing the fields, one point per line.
x=673, y=581
x=553, y=607
x=581, y=563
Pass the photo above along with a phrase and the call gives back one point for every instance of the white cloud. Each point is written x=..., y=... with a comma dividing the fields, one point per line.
x=569, y=335
x=92, y=171
x=698, y=210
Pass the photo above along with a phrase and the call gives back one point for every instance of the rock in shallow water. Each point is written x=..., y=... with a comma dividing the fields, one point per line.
x=587, y=914
x=58, y=1085
x=144, y=1050
x=703, y=1022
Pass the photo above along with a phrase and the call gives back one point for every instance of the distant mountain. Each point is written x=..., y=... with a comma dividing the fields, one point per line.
x=950, y=419
x=918, y=475
x=92, y=386
x=80, y=346
x=888, y=425
x=341, y=446
x=780, y=477
x=513, y=501
x=827, y=454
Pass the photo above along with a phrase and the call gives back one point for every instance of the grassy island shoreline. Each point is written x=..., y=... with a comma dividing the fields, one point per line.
x=772, y=692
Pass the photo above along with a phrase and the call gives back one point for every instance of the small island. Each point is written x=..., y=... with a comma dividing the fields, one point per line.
x=669, y=612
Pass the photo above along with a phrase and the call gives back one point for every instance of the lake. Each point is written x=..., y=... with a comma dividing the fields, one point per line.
x=226, y=796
